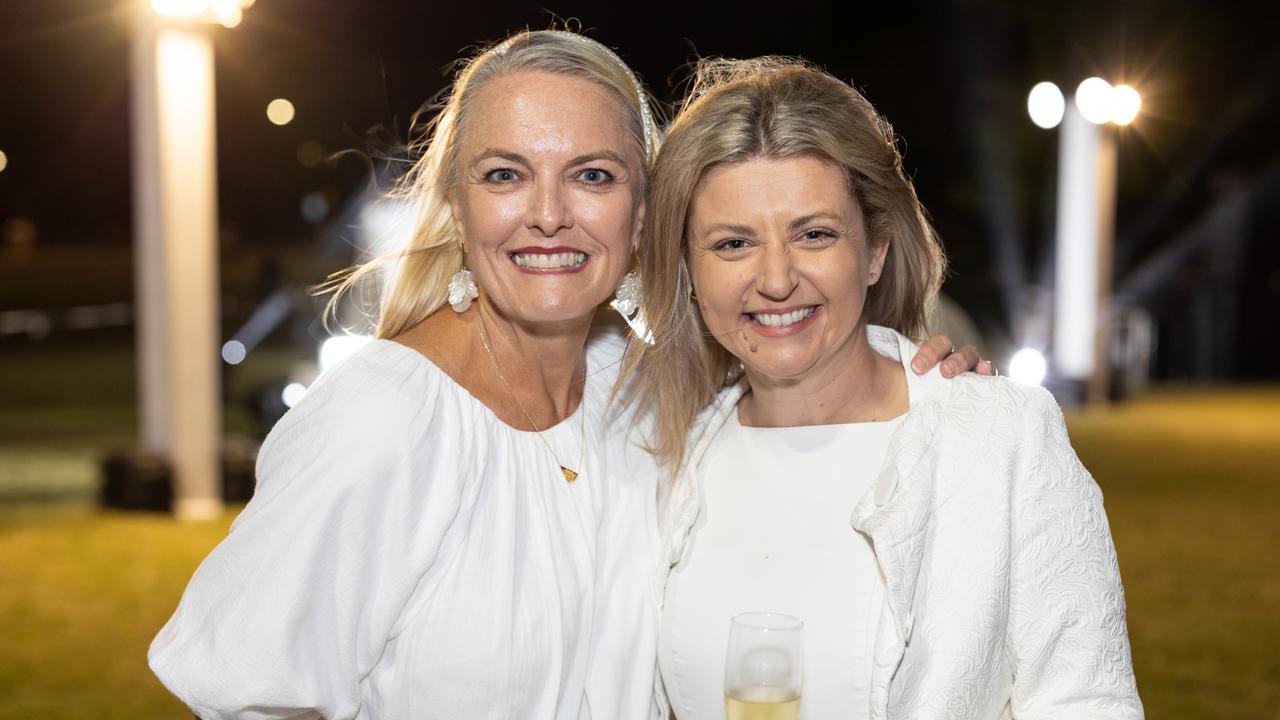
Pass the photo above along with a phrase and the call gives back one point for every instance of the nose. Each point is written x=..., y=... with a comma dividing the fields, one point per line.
x=776, y=276
x=549, y=208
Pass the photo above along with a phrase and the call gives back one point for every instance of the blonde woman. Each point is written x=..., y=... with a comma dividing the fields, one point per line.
x=447, y=525
x=442, y=527
x=946, y=550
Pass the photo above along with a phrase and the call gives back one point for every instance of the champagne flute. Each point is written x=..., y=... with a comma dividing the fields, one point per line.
x=764, y=667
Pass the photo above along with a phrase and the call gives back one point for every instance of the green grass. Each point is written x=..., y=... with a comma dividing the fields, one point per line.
x=1192, y=485
x=81, y=594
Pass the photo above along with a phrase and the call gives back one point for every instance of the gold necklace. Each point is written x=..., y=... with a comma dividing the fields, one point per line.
x=569, y=475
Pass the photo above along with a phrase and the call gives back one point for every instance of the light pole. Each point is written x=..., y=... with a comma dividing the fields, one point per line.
x=1085, y=222
x=175, y=244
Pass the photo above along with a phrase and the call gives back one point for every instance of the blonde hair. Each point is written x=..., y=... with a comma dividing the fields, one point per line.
x=434, y=252
x=774, y=108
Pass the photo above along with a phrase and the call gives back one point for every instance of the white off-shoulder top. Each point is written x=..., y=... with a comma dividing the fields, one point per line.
x=409, y=555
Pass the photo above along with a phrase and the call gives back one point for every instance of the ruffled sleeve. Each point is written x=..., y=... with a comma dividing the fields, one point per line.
x=294, y=608
x=1067, y=637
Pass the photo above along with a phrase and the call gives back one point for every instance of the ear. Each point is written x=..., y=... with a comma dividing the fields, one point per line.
x=876, y=261
x=455, y=208
x=637, y=232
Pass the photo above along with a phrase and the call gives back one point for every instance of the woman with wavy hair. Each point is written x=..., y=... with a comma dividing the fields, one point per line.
x=947, y=552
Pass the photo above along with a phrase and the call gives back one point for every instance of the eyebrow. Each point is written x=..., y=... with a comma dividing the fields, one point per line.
x=731, y=228
x=518, y=158
x=792, y=226
x=800, y=222
x=501, y=154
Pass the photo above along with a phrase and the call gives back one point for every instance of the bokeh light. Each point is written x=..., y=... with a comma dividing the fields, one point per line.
x=1094, y=100
x=280, y=111
x=180, y=8
x=1046, y=105
x=1028, y=366
x=4, y=161
x=227, y=12
x=233, y=352
x=1125, y=104
x=315, y=207
x=292, y=393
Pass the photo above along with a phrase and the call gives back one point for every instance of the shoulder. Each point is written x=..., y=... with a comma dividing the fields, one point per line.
x=384, y=396
x=1012, y=400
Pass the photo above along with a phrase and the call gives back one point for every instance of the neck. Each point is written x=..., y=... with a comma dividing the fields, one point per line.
x=544, y=363
x=855, y=384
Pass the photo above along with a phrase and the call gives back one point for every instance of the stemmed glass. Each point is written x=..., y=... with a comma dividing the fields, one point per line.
x=764, y=667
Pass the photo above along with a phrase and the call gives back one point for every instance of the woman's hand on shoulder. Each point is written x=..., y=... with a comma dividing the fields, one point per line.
x=939, y=349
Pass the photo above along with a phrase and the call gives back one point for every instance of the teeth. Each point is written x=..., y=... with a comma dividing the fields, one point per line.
x=782, y=319
x=543, y=261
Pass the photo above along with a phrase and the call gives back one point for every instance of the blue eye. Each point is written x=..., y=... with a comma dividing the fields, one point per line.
x=595, y=176
x=502, y=175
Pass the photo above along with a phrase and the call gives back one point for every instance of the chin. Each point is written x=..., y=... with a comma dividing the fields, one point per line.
x=779, y=367
x=558, y=312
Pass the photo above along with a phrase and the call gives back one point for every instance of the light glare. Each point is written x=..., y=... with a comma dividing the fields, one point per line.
x=180, y=8
x=292, y=393
x=280, y=111
x=339, y=348
x=1046, y=105
x=1028, y=366
x=4, y=161
x=1094, y=99
x=1125, y=104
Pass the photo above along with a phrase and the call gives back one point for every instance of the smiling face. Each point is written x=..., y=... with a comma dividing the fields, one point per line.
x=780, y=262
x=549, y=195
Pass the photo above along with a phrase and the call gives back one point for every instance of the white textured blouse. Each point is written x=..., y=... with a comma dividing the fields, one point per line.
x=409, y=555
x=774, y=536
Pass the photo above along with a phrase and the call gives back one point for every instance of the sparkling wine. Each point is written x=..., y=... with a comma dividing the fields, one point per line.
x=761, y=703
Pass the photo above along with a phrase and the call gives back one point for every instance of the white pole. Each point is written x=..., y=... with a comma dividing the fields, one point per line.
x=176, y=261
x=1085, y=229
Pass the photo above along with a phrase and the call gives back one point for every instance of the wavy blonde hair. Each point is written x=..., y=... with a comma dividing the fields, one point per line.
x=434, y=252
x=773, y=108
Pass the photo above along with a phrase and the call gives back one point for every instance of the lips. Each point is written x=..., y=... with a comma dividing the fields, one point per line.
x=782, y=318
x=549, y=259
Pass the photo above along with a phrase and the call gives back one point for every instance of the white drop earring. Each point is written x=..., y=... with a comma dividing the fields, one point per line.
x=626, y=302
x=462, y=290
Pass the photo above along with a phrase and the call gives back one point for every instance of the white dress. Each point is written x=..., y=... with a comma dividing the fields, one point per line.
x=409, y=555
x=774, y=535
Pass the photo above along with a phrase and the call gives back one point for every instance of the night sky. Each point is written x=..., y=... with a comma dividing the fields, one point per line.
x=952, y=77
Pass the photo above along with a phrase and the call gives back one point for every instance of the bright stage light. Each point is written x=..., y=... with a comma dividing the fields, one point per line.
x=1125, y=104
x=1094, y=99
x=1046, y=105
x=180, y=8
x=339, y=348
x=227, y=12
x=1028, y=366
x=292, y=393
x=280, y=111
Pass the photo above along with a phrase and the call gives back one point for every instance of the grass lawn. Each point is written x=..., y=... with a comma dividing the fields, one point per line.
x=1192, y=485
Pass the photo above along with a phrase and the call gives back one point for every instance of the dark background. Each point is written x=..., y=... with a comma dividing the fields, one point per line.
x=951, y=76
